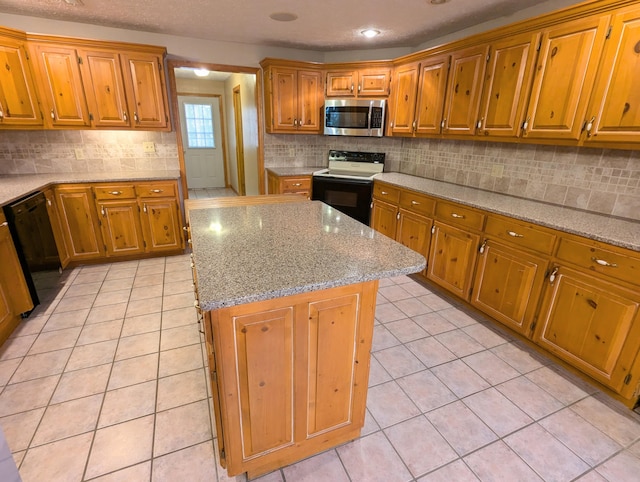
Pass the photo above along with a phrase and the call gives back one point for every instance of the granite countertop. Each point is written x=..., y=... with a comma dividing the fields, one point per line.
x=13, y=187
x=615, y=231
x=294, y=171
x=244, y=254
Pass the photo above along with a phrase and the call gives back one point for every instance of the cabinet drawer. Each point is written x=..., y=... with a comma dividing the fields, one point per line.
x=386, y=192
x=456, y=214
x=156, y=189
x=622, y=265
x=114, y=191
x=520, y=234
x=418, y=203
x=296, y=184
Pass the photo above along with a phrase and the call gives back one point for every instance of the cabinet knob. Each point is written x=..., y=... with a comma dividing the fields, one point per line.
x=513, y=234
x=352, y=88
x=602, y=262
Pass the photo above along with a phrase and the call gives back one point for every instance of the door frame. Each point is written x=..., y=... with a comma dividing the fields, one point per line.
x=237, y=121
x=236, y=69
x=223, y=130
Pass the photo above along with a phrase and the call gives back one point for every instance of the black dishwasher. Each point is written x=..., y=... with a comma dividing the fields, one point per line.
x=33, y=238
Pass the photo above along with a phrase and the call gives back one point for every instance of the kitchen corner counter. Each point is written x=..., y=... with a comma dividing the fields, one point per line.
x=244, y=254
x=13, y=187
x=294, y=171
x=615, y=231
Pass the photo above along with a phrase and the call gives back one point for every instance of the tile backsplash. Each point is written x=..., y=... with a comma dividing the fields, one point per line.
x=46, y=151
x=606, y=181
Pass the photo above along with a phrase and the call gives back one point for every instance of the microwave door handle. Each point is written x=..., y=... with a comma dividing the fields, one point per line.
x=369, y=117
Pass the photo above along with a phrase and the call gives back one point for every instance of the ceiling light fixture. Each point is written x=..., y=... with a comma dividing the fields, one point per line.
x=370, y=32
x=201, y=72
x=283, y=17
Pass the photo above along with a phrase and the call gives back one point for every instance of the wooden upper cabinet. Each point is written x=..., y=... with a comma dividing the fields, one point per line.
x=507, y=85
x=614, y=113
x=60, y=84
x=18, y=100
x=147, y=94
x=564, y=76
x=464, y=90
x=294, y=100
x=104, y=88
x=358, y=83
x=431, y=93
x=403, y=99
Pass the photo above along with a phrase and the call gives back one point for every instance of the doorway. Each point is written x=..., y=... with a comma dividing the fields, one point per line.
x=243, y=139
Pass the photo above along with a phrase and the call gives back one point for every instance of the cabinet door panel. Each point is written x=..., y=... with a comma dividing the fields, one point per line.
x=332, y=332
x=285, y=98
x=592, y=324
x=452, y=258
x=464, y=90
x=56, y=227
x=121, y=230
x=310, y=101
x=403, y=99
x=18, y=101
x=341, y=84
x=564, y=77
x=146, y=93
x=384, y=218
x=507, y=285
x=104, y=87
x=414, y=232
x=61, y=85
x=374, y=83
x=507, y=84
x=161, y=223
x=616, y=98
x=79, y=221
x=431, y=94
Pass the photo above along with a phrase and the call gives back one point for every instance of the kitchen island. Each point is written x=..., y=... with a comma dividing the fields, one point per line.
x=287, y=293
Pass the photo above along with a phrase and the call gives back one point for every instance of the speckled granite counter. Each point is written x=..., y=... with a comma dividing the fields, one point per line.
x=252, y=253
x=595, y=226
x=14, y=187
x=294, y=171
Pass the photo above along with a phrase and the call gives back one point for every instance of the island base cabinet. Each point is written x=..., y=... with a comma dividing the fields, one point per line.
x=290, y=375
x=594, y=325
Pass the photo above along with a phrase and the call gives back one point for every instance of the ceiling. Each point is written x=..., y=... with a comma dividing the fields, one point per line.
x=327, y=25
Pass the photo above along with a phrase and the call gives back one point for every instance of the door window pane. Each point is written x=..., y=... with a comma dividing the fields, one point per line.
x=199, y=125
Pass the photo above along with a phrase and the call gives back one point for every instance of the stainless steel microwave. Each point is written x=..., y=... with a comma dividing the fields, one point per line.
x=354, y=117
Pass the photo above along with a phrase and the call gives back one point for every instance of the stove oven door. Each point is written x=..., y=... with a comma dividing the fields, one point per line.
x=349, y=196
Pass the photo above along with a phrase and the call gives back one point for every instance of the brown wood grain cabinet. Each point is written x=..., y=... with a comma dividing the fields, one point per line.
x=19, y=106
x=402, y=102
x=289, y=375
x=289, y=184
x=14, y=294
x=56, y=227
x=160, y=216
x=293, y=99
x=358, y=83
x=432, y=89
x=119, y=219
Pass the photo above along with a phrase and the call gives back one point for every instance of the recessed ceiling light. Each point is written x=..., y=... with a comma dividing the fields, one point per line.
x=283, y=17
x=370, y=32
x=201, y=72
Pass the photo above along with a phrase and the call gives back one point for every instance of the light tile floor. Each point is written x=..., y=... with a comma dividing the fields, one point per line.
x=106, y=381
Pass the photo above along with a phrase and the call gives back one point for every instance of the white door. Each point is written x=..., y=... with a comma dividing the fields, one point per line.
x=202, y=141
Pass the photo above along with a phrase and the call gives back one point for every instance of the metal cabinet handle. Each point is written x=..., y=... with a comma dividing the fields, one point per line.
x=297, y=184
x=144, y=207
x=479, y=124
x=135, y=117
x=483, y=246
x=155, y=191
x=125, y=116
x=443, y=123
x=413, y=126
x=513, y=234
x=384, y=193
x=552, y=276
x=398, y=216
x=457, y=216
x=115, y=193
x=602, y=262
x=49, y=203
x=525, y=125
x=589, y=126
x=103, y=211
x=1, y=113
x=53, y=114
x=414, y=203
x=352, y=88
x=4, y=224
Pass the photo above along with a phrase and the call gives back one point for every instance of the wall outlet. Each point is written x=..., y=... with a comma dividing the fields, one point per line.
x=497, y=170
x=79, y=153
x=149, y=147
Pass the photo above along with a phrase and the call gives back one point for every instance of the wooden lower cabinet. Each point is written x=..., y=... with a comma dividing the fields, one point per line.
x=161, y=225
x=507, y=285
x=289, y=375
x=289, y=184
x=384, y=218
x=594, y=325
x=56, y=227
x=14, y=294
x=120, y=226
x=79, y=220
x=452, y=258
x=414, y=232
